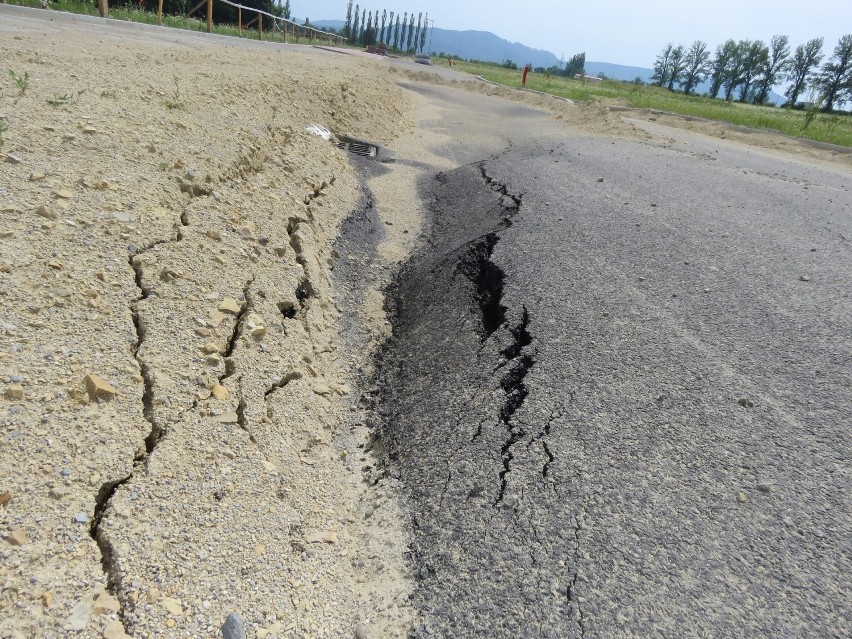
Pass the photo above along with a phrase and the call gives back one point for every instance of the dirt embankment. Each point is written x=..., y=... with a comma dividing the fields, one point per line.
x=173, y=401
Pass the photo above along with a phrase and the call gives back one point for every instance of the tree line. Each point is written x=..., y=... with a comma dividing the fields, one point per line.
x=393, y=29
x=748, y=69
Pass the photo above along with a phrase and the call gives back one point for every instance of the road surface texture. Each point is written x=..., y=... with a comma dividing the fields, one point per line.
x=618, y=389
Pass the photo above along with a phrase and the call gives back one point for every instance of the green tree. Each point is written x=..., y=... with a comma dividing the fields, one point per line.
x=835, y=78
x=733, y=72
x=384, y=22
x=755, y=57
x=368, y=36
x=577, y=64
x=417, y=32
x=806, y=58
x=717, y=68
x=423, y=33
x=389, y=35
x=774, y=67
x=285, y=10
x=695, y=71
x=347, y=26
x=410, y=33
x=662, y=66
x=353, y=37
x=399, y=36
x=370, y=20
x=677, y=64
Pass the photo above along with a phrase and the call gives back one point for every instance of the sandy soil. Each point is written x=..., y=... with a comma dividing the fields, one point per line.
x=177, y=443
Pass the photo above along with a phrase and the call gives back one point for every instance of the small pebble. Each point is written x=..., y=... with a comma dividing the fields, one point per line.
x=233, y=628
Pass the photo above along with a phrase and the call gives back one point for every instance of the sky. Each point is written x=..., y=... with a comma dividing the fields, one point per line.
x=619, y=31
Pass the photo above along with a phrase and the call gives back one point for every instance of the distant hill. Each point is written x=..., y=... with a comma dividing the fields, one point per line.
x=475, y=45
x=483, y=45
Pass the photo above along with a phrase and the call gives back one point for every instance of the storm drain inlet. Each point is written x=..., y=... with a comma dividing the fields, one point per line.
x=358, y=147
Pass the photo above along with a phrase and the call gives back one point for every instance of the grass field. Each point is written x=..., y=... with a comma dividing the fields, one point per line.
x=831, y=128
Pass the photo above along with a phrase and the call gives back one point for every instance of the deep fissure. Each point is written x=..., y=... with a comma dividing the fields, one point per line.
x=487, y=279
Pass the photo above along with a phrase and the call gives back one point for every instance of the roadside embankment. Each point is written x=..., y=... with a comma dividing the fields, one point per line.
x=173, y=399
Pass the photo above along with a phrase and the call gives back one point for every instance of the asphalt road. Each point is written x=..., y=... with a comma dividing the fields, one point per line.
x=620, y=387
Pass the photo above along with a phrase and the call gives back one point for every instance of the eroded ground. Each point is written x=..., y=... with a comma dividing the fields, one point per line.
x=166, y=235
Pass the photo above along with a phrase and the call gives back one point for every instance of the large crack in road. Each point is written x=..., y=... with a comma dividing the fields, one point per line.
x=483, y=568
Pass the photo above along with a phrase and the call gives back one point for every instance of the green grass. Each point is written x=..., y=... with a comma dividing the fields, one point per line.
x=825, y=127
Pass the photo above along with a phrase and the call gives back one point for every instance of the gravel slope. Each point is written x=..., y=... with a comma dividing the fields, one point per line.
x=166, y=235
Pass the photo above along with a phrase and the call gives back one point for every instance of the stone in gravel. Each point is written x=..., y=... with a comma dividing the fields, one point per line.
x=325, y=536
x=804, y=278
x=36, y=177
x=98, y=387
x=230, y=305
x=745, y=402
x=50, y=214
x=15, y=391
x=764, y=487
x=5, y=497
x=81, y=518
x=106, y=604
x=233, y=628
x=63, y=194
x=69, y=137
x=80, y=615
x=56, y=265
x=102, y=185
x=228, y=418
x=172, y=606
x=741, y=498
x=361, y=632
x=13, y=159
x=89, y=130
x=17, y=537
x=220, y=392
x=115, y=630
x=210, y=347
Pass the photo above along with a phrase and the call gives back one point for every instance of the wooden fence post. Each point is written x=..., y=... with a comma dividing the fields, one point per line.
x=103, y=8
x=240, y=20
x=209, y=16
x=260, y=26
x=160, y=13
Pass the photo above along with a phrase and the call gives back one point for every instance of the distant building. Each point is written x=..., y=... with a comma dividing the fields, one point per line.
x=590, y=78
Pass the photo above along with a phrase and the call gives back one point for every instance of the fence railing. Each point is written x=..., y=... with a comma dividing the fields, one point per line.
x=281, y=25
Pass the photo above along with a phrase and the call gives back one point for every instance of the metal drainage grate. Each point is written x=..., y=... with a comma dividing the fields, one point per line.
x=358, y=147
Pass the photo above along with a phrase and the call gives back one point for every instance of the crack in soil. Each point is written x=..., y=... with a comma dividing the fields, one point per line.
x=155, y=434
x=289, y=377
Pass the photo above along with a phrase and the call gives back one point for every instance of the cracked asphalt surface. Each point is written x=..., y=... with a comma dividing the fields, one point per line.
x=618, y=391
